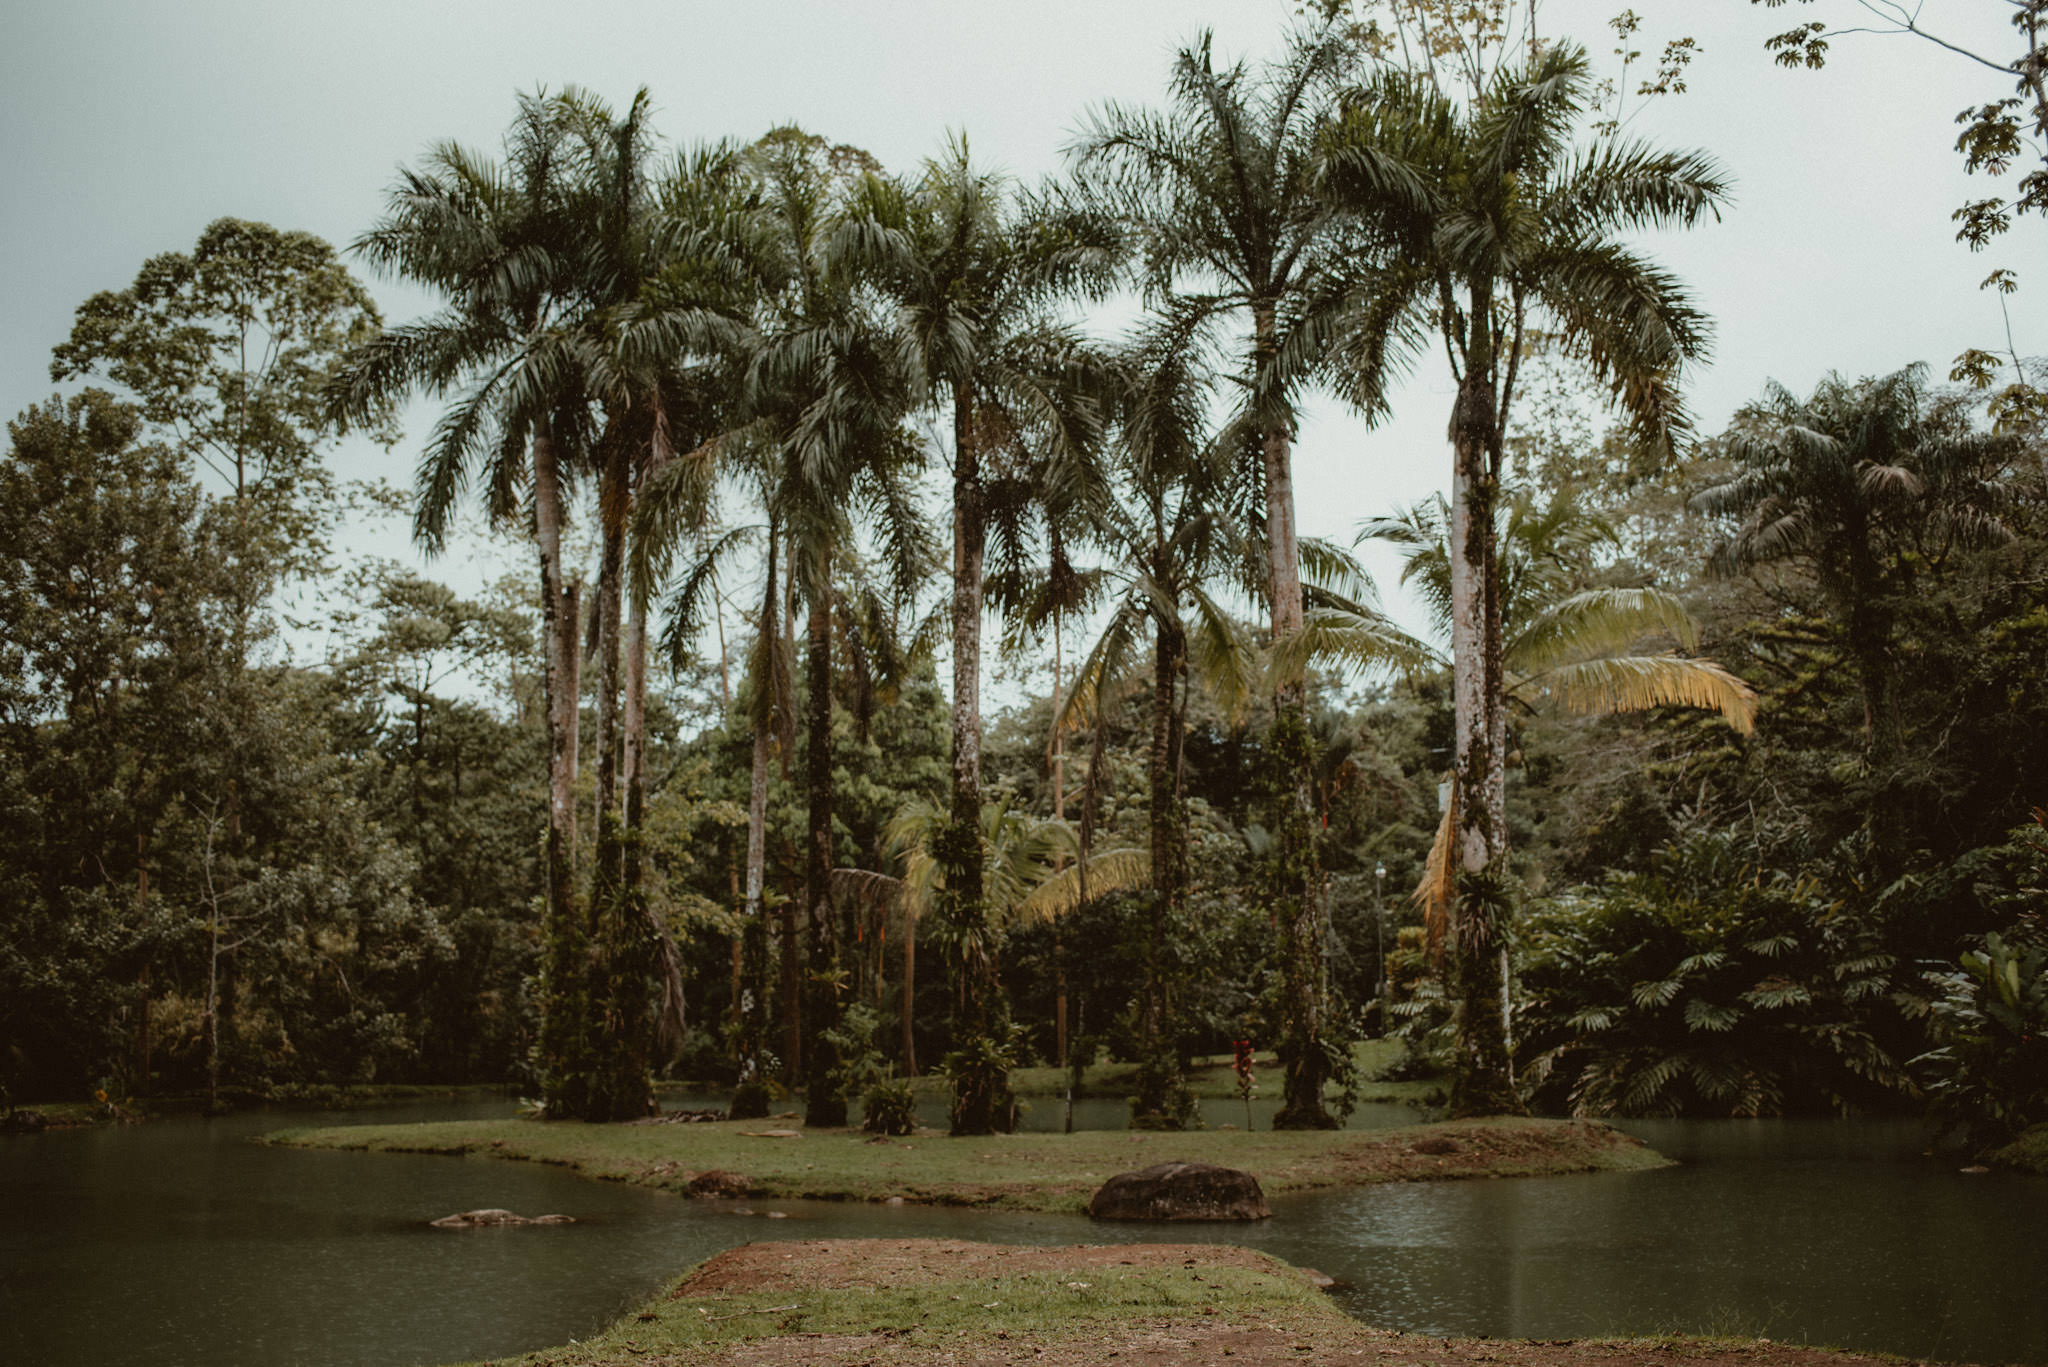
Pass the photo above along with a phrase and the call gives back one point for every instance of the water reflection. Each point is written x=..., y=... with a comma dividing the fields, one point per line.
x=179, y=1243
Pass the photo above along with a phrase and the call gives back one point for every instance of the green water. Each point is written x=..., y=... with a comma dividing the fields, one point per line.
x=181, y=1243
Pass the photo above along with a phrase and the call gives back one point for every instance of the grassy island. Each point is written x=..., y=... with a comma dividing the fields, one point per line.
x=917, y=1301
x=1045, y=1172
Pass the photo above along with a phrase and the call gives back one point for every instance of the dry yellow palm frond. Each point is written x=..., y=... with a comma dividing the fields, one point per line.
x=1632, y=683
x=1110, y=871
x=1439, y=879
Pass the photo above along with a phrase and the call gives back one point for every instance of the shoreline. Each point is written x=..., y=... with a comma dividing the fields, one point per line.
x=915, y=1301
x=1032, y=1171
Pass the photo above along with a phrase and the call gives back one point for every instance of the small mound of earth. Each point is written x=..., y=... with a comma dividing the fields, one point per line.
x=832, y=1264
x=718, y=1184
x=1279, y=1332
x=1180, y=1191
x=494, y=1218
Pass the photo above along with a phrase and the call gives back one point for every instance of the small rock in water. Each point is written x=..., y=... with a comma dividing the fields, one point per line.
x=493, y=1218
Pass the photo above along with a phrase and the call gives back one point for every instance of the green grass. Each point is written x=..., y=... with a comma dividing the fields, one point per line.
x=956, y=1316
x=1053, y=1172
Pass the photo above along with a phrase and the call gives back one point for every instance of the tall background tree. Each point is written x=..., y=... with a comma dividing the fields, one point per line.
x=1496, y=213
x=1220, y=192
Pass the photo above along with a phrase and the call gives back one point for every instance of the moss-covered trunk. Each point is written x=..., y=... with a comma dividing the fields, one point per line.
x=1163, y=1101
x=825, y=1104
x=1480, y=1081
x=564, y=1028
x=1296, y=885
x=982, y=1102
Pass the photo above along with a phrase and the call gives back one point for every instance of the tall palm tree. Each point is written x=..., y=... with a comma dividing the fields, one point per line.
x=659, y=340
x=1498, y=223
x=827, y=383
x=1167, y=538
x=977, y=278
x=1221, y=190
x=500, y=245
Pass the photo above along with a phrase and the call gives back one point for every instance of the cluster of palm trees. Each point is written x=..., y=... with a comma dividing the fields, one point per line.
x=767, y=350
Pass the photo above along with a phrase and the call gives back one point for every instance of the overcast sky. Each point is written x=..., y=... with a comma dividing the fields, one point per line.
x=126, y=127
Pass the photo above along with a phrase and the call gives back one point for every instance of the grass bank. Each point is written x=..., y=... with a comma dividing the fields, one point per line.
x=893, y=1301
x=105, y=1110
x=1049, y=1172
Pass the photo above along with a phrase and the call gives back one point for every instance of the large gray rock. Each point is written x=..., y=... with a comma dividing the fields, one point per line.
x=1180, y=1191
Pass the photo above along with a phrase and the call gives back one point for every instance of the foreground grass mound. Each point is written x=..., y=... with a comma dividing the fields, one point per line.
x=917, y=1301
x=1046, y=1172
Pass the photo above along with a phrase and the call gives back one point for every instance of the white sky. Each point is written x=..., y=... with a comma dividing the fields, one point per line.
x=125, y=127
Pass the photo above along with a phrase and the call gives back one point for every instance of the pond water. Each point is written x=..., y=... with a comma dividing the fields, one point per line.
x=181, y=1243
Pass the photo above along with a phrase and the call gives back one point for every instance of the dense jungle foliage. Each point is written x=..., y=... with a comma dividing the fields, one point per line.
x=1771, y=740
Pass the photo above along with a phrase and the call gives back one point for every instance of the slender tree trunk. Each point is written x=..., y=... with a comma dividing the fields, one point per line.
x=1297, y=878
x=750, y=1098
x=1163, y=1101
x=825, y=1104
x=792, y=948
x=563, y=1066
x=909, y=993
x=1480, y=1082
x=611, y=572
x=982, y=1102
x=1059, y=813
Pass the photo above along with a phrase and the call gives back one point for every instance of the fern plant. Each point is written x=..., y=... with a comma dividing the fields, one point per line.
x=1709, y=986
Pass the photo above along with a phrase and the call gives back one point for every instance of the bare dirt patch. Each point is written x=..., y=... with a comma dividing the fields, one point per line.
x=867, y=1263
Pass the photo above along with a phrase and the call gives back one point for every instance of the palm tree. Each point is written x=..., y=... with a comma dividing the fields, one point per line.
x=1562, y=643
x=1495, y=223
x=1167, y=537
x=1221, y=190
x=977, y=278
x=1868, y=486
x=828, y=385
x=499, y=244
x=659, y=341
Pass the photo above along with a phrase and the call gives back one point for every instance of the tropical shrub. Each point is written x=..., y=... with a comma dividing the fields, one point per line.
x=1709, y=986
x=1989, y=1075
x=889, y=1106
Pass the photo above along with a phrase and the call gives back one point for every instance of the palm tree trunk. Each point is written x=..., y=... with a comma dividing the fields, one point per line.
x=1479, y=1075
x=750, y=1097
x=564, y=1079
x=1297, y=880
x=825, y=1104
x=613, y=499
x=1163, y=1101
x=981, y=1101
x=672, y=1024
x=909, y=993
x=1059, y=813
